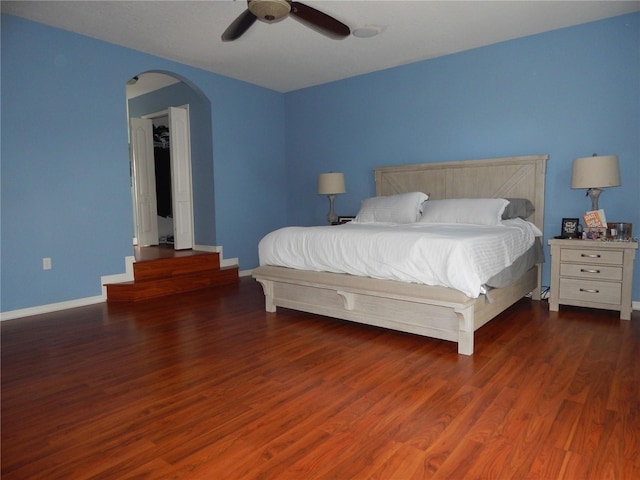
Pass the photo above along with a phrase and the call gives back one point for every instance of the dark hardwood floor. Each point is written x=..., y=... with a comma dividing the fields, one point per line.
x=206, y=385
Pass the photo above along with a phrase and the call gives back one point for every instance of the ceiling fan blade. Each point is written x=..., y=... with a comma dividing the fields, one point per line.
x=239, y=26
x=319, y=21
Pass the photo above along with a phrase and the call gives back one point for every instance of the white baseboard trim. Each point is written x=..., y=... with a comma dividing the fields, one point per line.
x=127, y=276
x=635, y=305
x=52, y=307
x=245, y=273
x=208, y=248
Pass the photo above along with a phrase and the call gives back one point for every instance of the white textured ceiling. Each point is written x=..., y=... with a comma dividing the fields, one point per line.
x=286, y=55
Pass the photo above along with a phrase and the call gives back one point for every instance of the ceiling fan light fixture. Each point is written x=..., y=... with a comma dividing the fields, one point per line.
x=269, y=10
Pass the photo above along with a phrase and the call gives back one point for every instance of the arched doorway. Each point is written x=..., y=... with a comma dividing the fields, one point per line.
x=155, y=99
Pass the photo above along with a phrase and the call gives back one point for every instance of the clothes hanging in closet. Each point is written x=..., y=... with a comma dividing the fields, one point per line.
x=162, y=157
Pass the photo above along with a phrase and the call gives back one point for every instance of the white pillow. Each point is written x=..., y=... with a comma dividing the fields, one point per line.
x=475, y=211
x=399, y=208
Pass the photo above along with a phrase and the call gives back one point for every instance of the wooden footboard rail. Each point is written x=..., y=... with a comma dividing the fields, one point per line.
x=436, y=312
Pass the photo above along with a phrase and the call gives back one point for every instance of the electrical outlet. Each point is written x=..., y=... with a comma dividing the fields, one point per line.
x=46, y=263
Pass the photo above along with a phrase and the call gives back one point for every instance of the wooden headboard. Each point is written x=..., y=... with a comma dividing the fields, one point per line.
x=508, y=177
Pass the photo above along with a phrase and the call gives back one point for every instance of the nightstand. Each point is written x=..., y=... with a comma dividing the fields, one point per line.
x=591, y=273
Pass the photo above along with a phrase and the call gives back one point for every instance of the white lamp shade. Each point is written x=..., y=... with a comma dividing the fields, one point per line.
x=595, y=172
x=331, y=183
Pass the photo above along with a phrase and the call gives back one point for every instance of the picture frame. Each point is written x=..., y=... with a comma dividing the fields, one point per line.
x=570, y=228
x=594, y=233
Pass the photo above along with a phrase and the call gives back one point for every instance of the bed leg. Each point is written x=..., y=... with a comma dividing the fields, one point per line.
x=269, y=306
x=267, y=288
x=465, y=331
x=536, y=294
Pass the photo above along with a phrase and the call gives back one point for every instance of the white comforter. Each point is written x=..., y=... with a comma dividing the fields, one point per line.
x=458, y=256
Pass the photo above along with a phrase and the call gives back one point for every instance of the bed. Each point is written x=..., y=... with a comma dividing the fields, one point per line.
x=432, y=311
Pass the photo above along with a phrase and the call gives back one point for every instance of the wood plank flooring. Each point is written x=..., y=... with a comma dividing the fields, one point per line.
x=206, y=385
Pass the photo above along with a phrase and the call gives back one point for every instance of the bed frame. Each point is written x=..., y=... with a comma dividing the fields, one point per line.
x=437, y=312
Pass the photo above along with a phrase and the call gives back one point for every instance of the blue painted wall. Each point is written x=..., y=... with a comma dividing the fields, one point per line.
x=65, y=162
x=567, y=93
x=65, y=174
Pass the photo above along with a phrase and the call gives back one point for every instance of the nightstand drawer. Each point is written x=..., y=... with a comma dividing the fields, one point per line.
x=590, y=291
x=593, y=272
x=592, y=256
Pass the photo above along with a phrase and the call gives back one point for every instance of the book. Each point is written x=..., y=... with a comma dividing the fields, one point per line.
x=595, y=218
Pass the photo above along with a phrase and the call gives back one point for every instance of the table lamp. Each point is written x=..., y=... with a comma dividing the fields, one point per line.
x=595, y=173
x=331, y=184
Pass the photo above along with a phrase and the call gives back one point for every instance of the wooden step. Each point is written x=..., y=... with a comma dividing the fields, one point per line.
x=142, y=290
x=168, y=267
x=168, y=276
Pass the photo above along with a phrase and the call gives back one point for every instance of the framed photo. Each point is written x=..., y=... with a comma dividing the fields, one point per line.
x=594, y=233
x=570, y=227
x=345, y=219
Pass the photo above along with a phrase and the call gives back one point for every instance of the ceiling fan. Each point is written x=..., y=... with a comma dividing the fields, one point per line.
x=273, y=10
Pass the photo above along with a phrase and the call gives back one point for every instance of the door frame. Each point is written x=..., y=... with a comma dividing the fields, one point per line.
x=151, y=116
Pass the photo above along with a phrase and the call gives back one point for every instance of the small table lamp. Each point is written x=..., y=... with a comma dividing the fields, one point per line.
x=594, y=173
x=331, y=184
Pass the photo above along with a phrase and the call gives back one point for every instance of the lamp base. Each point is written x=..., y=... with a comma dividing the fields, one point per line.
x=331, y=216
x=594, y=193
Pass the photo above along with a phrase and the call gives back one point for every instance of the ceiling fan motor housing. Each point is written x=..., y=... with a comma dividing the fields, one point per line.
x=269, y=10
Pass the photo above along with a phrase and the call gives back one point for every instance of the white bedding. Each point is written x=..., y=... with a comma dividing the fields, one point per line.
x=458, y=256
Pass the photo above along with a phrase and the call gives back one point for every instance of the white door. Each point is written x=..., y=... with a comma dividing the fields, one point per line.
x=181, y=178
x=144, y=181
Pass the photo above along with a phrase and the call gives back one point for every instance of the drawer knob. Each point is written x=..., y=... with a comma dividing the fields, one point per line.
x=587, y=270
x=589, y=290
x=590, y=255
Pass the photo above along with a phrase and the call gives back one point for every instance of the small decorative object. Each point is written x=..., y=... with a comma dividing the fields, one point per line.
x=331, y=184
x=570, y=228
x=619, y=232
x=594, y=233
x=594, y=173
x=345, y=219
